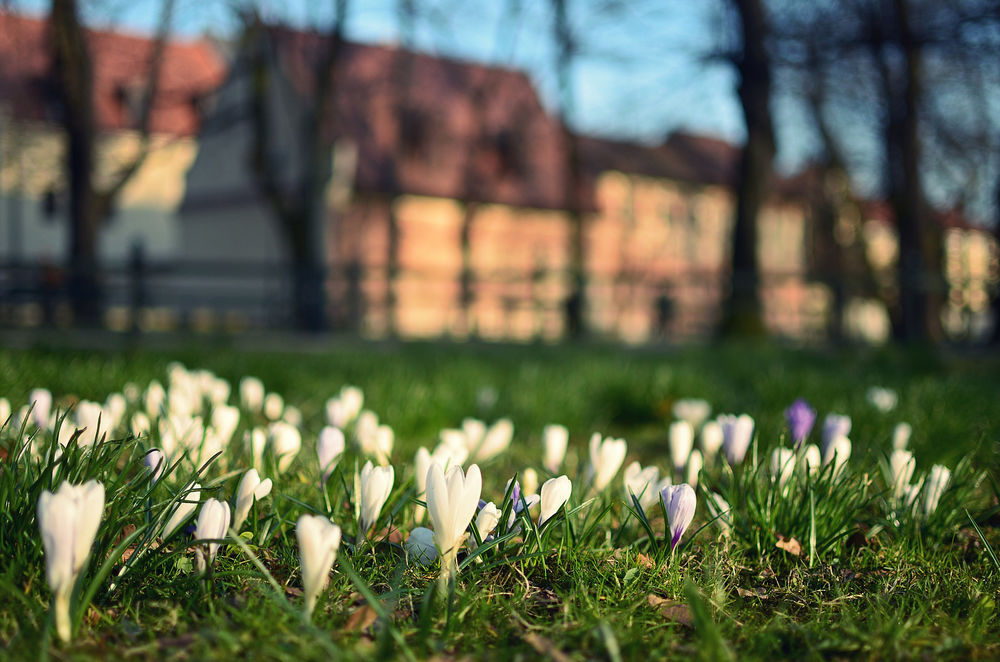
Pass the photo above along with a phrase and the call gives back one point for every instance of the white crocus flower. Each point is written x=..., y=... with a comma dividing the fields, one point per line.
x=838, y=452
x=834, y=425
x=452, y=451
x=183, y=509
x=935, y=486
x=474, y=430
x=606, y=458
x=114, y=410
x=140, y=424
x=556, y=439
x=494, y=441
x=5, y=410
x=782, y=465
x=352, y=399
x=373, y=488
x=720, y=510
x=681, y=437
x=737, y=433
x=420, y=545
x=319, y=540
x=292, y=415
x=213, y=523
x=274, y=406
x=883, y=399
x=486, y=523
x=810, y=459
x=255, y=441
x=693, y=469
x=555, y=493
x=155, y=462
x=68, y=520
x=365, y=428
x=40, y=401
x=285, y=442
x=251, y=489
x=529, y=482
x=225, y=419
x=680, y=502
x=901, y=436
x=692, y=410
x=901, y=467
x=153, y=399
x=643, y=483
x=452, y=500
x=89, y=417
x=252, y=394
x=381, y=444
x=711, y=440
x=329, y=450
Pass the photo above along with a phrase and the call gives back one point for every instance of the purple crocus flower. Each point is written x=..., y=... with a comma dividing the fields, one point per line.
x=680, y=501
x=800, y=417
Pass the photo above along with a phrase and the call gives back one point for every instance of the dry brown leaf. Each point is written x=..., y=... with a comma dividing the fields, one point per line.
x=671, y=610
x=644, y=561
x=544, y=646
x=790, y=545
x=751, y=593
x=361, y=618
x=293, y=591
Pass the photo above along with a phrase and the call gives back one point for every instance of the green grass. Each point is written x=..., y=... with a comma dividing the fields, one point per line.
x=593, y=585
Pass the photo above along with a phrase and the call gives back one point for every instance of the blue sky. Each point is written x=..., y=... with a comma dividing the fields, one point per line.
x=640, y=78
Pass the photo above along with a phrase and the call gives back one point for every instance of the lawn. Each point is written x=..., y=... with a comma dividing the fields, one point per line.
x=830, y=562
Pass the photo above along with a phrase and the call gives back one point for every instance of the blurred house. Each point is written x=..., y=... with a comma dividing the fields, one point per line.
x=449, y=197
x=33, y=187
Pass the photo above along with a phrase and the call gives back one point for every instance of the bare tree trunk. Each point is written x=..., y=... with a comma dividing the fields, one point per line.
x=742, y=312
x=75, y=83
x=576, y=303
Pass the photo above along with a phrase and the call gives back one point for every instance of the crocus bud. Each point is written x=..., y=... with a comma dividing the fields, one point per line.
x=319, y=540
x=183, y=509
x=680, y=502
x=555, y=494
x=285, y=441
x=255, y=441
x=681, y=442
x=251, y=489
x=720, y=510
x=692, y=410
x=374, y=487
x=935, y=486
x=5, y=411
x=737, y=433
x=883, y=399
x=782, y=465
x=213, y=523
x=154, y=399
x=901, y=436
x=692, y=471
x=486, y=522
x=642, y=483
x=711, y=440
x=556, y=439
x=421, y=546
x=329, y=449
x=529, y=481
x=901, y=467
x=274, y=405
x=224, y=421
x=494, y=441
x=140, y=424
x=810, y=459
x=838, y=452
x=155, y=463
x=68, y=520
x=834, y=425
x=40, y=401
x=292, y=415
x=800, y=417
x=606, y=458
x=252, y=394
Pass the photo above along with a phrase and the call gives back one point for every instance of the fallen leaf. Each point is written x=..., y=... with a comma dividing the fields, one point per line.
x=751, y=593
x=790, y=545
x=677, y=612
x=361, y=618
x=544, y=646
x=644, y=561
x=293, y=591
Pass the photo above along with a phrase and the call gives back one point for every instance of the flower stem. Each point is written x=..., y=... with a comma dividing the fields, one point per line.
x=449, y=571
x=61, y=606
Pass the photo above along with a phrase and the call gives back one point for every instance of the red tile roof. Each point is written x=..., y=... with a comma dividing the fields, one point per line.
x=190, y=71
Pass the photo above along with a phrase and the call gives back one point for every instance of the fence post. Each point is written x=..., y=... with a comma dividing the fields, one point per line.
x=137, y=285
